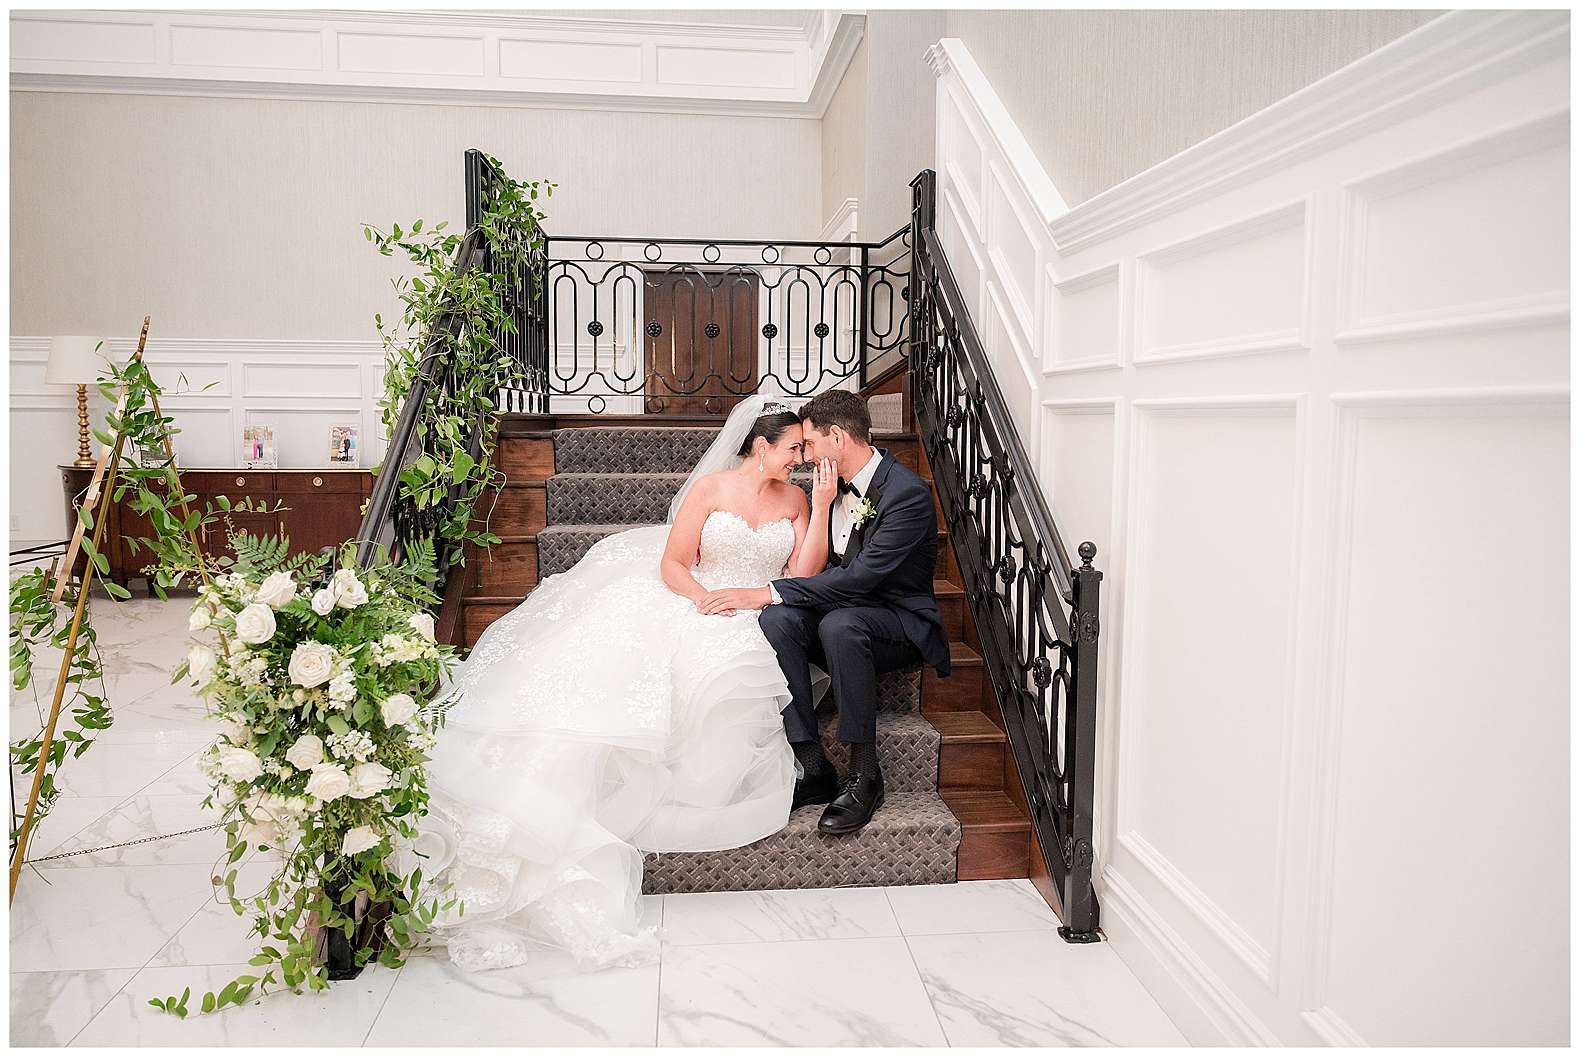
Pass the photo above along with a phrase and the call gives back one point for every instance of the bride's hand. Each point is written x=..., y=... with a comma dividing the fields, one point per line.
x=727, y=602
x=825, y=484
x=702, y=602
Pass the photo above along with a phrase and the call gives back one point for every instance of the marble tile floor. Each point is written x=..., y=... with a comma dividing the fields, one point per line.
x=94, y=937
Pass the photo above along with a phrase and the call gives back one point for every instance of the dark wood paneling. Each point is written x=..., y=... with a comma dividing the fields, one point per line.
x=681, y=356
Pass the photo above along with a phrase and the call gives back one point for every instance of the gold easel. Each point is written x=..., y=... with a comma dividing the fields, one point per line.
x=97, y=497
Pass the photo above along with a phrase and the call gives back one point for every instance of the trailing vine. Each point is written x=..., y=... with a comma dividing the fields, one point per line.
x=38, y=621
x=457, y=314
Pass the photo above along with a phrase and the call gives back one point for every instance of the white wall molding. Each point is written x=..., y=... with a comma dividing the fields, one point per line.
x=1331, y=345
x=841, y=225
x=441, y=57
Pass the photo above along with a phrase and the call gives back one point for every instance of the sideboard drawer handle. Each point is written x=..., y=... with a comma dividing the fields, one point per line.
x=241, y=482
x=318, y=482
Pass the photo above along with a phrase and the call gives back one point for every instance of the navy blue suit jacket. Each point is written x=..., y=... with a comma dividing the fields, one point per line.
x=888, y=562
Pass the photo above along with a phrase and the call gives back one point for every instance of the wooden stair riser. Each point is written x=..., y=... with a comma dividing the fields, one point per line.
x=995, y=835
x=509, y=567
x=961, y=691
x=525, y=458
x=516, y=510
x=973, y=765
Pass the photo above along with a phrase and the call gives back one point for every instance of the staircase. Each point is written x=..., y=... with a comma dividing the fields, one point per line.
x=954, y=808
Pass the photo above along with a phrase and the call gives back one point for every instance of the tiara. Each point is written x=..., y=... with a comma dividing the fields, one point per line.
x=771, y=407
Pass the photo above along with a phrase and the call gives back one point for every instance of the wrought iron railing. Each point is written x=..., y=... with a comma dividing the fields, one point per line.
x=1017, y=575
x=671, y=325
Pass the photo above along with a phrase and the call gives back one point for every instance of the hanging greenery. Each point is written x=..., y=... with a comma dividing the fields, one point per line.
x=456, y=315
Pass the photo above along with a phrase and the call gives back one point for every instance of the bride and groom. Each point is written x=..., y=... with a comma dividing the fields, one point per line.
x=661, y=695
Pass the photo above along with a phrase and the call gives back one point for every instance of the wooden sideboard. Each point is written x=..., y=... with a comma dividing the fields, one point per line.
x=322, y=509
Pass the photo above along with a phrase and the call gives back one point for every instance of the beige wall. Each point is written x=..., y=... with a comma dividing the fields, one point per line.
x=878, y=129
x=242, y=217
x=845, y=136
x=900, y=108
x=1103, y=95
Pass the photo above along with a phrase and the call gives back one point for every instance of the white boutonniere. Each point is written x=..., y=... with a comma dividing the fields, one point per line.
x=864, y=512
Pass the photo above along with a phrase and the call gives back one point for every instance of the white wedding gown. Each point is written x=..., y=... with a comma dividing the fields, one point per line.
x=602, y=718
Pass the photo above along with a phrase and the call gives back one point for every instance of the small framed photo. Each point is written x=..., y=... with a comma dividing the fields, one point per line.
x=257, y=448
x=343, y=446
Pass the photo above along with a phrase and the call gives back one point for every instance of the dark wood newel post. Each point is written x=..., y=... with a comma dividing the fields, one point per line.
x=1080, y=902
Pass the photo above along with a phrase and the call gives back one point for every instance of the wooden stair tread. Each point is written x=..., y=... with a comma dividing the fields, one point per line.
x=989, y=810
x=966, y=727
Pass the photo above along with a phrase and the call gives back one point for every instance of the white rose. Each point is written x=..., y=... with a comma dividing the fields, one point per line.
x=238, y=764
x=323, y=602
x=368, y=779
x=236, y=733
x=255, y=624
x=200, y=665
x=277, y=590
x=398, y=709
x=263, y=831
x=422, y=623
x=328, y=782
x=312, y=663
x=348, y=590
x=200, y=618
x=359, y=839
x=307, y=753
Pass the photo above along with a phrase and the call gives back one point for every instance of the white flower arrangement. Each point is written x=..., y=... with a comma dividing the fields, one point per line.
x=316, y=687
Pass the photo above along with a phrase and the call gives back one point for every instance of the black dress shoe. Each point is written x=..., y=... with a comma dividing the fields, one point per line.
x=859, y=798
x=815, y=789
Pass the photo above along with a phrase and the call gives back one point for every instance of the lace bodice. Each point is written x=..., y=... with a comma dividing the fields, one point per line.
x=733, y=554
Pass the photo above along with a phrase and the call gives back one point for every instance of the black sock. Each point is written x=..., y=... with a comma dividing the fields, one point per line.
x=809, y=754
x=864, y=758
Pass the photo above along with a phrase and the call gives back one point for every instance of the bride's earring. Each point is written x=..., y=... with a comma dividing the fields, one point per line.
x=759, y=464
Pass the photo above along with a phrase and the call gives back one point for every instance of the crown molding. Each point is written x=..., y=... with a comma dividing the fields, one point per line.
x=443, y=58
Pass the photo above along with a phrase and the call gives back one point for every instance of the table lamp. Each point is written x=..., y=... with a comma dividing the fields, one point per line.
x=76, y=359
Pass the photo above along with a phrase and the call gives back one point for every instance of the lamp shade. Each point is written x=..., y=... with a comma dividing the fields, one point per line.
x=73, y=361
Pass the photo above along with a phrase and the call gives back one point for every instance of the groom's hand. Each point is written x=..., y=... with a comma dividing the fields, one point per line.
x=728, y=601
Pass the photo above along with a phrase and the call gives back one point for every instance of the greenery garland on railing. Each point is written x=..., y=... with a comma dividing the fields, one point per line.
x=478, y=299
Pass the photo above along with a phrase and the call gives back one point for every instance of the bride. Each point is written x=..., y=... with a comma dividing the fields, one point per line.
x=607, y=715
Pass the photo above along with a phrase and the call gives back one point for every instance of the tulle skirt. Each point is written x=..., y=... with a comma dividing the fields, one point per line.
x=602, y=718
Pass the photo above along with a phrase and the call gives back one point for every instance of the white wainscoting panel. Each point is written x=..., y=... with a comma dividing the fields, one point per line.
x=1239, y=288
x=213, y=387
x=1426, y=746
x=1306, y=387
x=1087, y=319
x=1211, y=537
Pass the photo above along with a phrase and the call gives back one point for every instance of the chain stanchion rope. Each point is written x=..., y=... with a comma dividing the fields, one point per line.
x=125, y=844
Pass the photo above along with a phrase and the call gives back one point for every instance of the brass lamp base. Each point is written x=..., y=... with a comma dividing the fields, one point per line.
x=85, y=457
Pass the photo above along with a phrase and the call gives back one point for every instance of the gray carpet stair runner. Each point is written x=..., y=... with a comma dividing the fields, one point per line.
x=608, y=479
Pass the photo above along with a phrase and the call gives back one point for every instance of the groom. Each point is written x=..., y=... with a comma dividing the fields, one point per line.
x=870, y=611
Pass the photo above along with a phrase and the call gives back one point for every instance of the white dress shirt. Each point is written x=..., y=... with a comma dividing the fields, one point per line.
x=842, y=516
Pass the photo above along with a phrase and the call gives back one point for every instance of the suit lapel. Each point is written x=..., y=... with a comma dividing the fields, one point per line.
x=858, y=534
